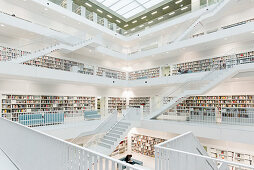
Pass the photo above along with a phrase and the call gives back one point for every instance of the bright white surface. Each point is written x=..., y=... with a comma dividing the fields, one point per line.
x=69, y=130
x=5, y=163
x=129, y=8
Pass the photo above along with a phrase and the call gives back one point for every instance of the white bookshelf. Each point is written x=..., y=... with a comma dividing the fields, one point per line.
x=13, y=105
x=141, y=101
x=7, y=54
x=144, y=74
x=116, y=103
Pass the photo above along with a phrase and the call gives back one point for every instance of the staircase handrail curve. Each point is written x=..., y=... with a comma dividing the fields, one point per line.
x=97, y=139
x=113, y=112
x=200, y=18
x=124, y=116
x=215, y=69
x=94, y=139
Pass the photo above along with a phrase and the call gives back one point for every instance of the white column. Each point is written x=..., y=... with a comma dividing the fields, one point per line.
x=105, y=22
x=195, y=5
x=114, y=27
x=94, y=17
x=69, y=4
x=83, y=11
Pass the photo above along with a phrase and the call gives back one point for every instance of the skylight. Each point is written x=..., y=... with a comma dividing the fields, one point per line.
x=129, y=8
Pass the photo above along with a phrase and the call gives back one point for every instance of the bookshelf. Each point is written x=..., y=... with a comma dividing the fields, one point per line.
x=7, y=54
x=141, y=101
x=230, y=107
x=118, y=103
x=111, y=73
x=230, y=155
x=222, y=62
x=144, y=144
x=121, y=148
x=68, y=65
x=60, y=64
x=13, y=105
x=144, y=74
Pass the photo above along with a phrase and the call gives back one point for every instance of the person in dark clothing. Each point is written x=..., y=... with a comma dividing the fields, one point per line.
x=179, y=70
x=128, y=159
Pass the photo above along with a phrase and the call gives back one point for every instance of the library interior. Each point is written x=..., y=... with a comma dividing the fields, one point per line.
x=127, y=84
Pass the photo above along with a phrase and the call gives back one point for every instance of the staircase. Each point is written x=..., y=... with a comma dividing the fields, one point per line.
x=214, y=11
x=106, y=143
x=211, y=80
x=51, y=49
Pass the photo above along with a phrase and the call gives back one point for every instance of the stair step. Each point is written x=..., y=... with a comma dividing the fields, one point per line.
x=104, y=145
x=113, y=135
x=124, y=123
x=107, y=141
x=116, y=132
x=122, y=126
x=120, y=129
x=110, y=138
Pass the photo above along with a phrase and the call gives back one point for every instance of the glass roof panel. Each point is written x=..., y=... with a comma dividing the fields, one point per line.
x=120, y=4
x=129, y=8
x=133, y=12
x=108, y=3
x=151, y=3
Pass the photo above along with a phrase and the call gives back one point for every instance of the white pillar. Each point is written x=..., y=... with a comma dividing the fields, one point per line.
x=83, y=11
x=94, y=17
x=195, y=5
x=114, y=27
x=105, y=22
x=69, y=4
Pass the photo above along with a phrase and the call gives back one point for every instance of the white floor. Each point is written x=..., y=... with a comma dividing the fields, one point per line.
x=148, y=162
x=5, y=163
x=70, y=129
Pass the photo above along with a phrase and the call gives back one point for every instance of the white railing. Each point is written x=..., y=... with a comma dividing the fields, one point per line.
x=30, y=149
x=211, y=115
x=185, y=152
x=46, y=118
x=100, y=129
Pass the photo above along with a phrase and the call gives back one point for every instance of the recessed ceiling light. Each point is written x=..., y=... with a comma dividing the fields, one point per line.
x=45, y=9
x=160, y=18
x=166, y=7
x=150, y=22
x=109, y=16
x=144, y=17
x=125, y=32
x=177, y=2
x=172, y=13
x=141, y=26
x=88, y=4
x=184, y=8
x=134, y=21
x=126, y=25
x=155, y=12
x=118, y=21
x=2, y=25
x=100, y=11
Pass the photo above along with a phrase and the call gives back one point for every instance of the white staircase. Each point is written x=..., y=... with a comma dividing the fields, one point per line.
x=106, y=143
x=211, y=80
x=53, y=48
x=214, y=11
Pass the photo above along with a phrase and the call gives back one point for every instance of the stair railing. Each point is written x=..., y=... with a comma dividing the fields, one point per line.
x=98, y=137
x=109, y=118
